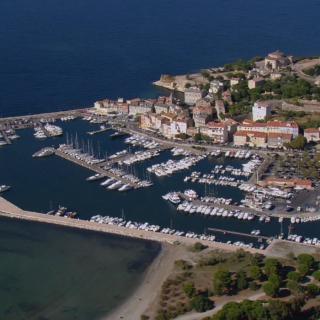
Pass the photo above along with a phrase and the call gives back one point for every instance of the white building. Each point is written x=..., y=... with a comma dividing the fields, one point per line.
x=178, y=126
x=192, y=95
x=261, y=111
x=139, y=109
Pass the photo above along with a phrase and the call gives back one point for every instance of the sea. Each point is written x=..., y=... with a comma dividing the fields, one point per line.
x=62, y=54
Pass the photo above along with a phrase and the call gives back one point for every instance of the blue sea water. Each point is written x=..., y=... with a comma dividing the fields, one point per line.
x=57, y=54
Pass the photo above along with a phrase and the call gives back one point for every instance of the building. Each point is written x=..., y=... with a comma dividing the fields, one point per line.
x=275, y=75
x=261, y=139
x=261, y=110
x=202, y=115
x=312, y=134
x=107, y=106
x=217, y=131
x=192, y=95
x=138, y=107
x=227, y=97
x=240, y=138
x=276, y=60
x=234, y=81
x=179, y=125
x=216, y=86
x=255, y=83
x=161, y=108
x=278, y=140
x=288, y=183
x=250, y=138
x=203, y=103
x=220, y=108
x=288, y=127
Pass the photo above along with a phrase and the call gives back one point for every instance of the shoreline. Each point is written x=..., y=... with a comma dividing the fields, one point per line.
x=147, y=290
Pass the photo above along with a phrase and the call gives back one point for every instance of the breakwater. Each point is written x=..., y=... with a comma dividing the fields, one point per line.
x=9, y=210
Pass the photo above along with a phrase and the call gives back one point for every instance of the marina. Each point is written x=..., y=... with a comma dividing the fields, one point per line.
x=217, y=193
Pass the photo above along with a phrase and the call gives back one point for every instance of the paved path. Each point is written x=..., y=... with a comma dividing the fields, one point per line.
x=218, y=307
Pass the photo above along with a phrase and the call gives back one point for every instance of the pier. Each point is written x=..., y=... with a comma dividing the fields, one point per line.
x=9, y=210
x=5, y=137
x=96, y=168
x=43, y=116
x=241, y=234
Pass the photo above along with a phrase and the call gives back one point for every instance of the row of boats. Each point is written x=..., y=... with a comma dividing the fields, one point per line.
x=63, y=212
x=139, y=140
x=191, y=208
x=8, y=136
x=171, y=166
x=79, y=155
x=4, y=188
x=114, y=184
x=48, y=130
x=174, y=197
x=211, y=179
x=240, y=154
x=140, y=156
x=44, y=152
x=156, y=228
x=67, y=118
x=180, y=152
x=301, y=239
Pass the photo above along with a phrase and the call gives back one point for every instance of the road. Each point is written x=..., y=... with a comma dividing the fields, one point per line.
x=305, y=64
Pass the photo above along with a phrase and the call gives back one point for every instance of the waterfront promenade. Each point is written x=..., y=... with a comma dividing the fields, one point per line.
x=9, y=210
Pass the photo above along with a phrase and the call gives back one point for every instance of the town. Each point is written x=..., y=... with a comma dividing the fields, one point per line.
x=270, y=104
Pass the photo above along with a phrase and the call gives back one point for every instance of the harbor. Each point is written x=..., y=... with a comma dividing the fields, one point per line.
x=97, y=165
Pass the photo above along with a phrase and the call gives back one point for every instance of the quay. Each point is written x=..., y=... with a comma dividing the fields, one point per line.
x=241, y=234
x=91, y=133
x=5, y=137
x=9, y=210
x=95, y=168
x=47, y=115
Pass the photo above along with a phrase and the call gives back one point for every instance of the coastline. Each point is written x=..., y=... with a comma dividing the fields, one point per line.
x=146, y=292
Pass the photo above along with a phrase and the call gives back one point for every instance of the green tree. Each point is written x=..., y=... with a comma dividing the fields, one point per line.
x=198, y=246
x=201, y=303
x=316, y=275
x=279, y=310
x=271, y=266
x=189, y=289
x=294, y=286
x=306, y=259
x=242, y=282
x=303, y=269
x=230, y=311
x=255, y=273
x=272, y=286
x=197, y=137
x=222, y=282
x=312, y=290
x=298, y=143
x=293, y=275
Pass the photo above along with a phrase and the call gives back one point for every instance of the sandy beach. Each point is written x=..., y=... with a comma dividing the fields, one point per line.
x=150, y=286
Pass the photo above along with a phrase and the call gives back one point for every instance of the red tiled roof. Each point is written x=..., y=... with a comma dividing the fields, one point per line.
x=286, y=136
x=312, y=130
x=213, y=124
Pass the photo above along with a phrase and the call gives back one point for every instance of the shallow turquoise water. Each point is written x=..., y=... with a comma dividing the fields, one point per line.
x=48, y=272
